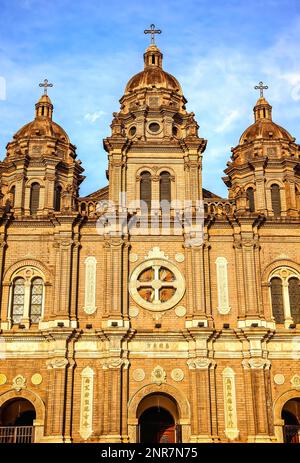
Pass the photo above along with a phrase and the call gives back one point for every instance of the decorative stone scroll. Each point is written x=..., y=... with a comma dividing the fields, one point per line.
x=86, y=406
x=36, y=379
x=180, y=311
x=133, y=257
x=231, y=429
x=114, y=363
x=256, y=363
x=156, y=253
x=222, y=285
x=133, y=311
x=177, y=374
x=279, y=379
x=57, y=363
x=19, y=382
x=90, y=285
x=295, y=382
x=158, y=375
x=138, y=374
x=200, y=363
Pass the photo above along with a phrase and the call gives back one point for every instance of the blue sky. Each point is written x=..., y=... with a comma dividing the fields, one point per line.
x=89, y=49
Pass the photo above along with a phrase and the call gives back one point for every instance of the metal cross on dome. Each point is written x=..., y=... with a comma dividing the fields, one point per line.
x=152, y=31
x=45, y=84
x=261, y=87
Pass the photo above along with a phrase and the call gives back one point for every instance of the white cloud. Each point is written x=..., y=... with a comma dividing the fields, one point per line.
x=2, y=88
x=293, y=81
x=228, y=121
x=92, y=117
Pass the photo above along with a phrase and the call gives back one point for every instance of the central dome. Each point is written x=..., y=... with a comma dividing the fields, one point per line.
x=153, y=75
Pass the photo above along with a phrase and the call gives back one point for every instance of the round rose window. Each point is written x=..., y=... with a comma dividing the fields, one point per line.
x=157, y=285
x=154, y=127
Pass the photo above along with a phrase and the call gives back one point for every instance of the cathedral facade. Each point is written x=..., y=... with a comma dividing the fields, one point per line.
x=151, y=310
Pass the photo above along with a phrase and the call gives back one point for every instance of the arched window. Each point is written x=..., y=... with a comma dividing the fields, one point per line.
x=57, y=198
x=145, y=188
x=275, y=197
x=277, y=300
x=36, y=300
x=18, y=299
x=34, y=198
x=294, y=293
x=250, y=198
x=165, y=187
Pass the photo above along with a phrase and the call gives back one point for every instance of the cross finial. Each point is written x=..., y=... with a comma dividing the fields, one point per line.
x=45, y=84
x=261, y=87
x=152, y=31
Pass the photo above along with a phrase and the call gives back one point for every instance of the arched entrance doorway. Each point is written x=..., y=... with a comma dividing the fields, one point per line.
x=158, y=419
x=157, y=426
x=291, y=417
x=16, y=421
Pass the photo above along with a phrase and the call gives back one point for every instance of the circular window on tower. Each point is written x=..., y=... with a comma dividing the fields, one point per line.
x=157, y=285
x=132, y=131
x=154, y=127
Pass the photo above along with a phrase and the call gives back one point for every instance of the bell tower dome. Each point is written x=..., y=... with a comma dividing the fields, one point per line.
x=40, y=174
x=154, y=150
x=263, y=174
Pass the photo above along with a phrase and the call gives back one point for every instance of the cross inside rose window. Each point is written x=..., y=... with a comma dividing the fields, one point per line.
x=157, y=286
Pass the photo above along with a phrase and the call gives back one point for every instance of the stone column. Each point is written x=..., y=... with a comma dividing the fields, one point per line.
x=74, y=282
x=115, y=252
x=260, y=399
x=192, y=167
x=4, y=291
x=260, y=197
x=115, y=423
x=290, y=192
x=56, y=402
x=20, y=199
x=240, y=284
x=249, y=266
x=198, y=282
x=49, y=190
x=201, y=399
x=286, y=304
x=208, y=305
x=189, y=283
x=61, y=304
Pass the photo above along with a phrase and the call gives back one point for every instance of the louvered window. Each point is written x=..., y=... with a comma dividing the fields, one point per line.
x=275, y=197
x=57, y=198
x=18, y=298
x=250, y=198
x=277, y=300
x=294, y=293
x=165, y=186
x=34, y=198
x=145, y=188
x=36, y=300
